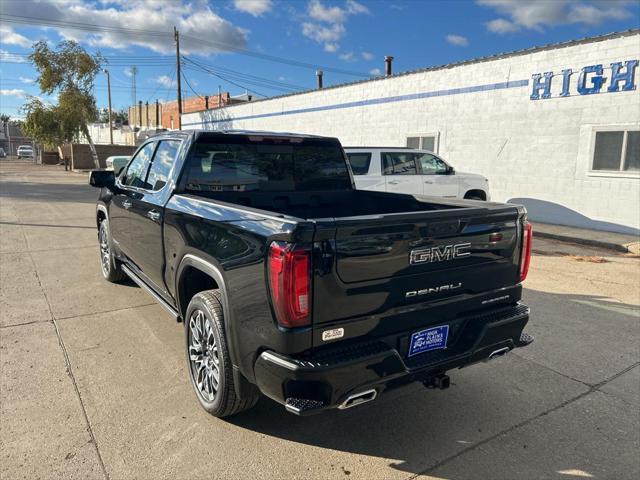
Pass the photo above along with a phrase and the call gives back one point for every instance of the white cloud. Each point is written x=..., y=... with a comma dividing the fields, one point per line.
x=375, y=71
x=347, y=57
x=201, y=29
x=27, y=79
x=165, y=81
x=368, y=56
x=525, y=14
x=13, y=92
x=355, y=8
x=11, y=58
x=253, y=7
x=128, y=72
x=500, y=25
x=328, y=25
x=322, y=33
x=9, y=37
x=319, y=12
x=457, y=40
x=331, y=47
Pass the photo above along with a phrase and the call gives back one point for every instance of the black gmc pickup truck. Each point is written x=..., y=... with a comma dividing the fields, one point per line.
x=292, y=283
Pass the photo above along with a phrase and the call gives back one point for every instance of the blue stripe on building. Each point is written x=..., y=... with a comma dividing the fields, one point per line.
x=374, y=101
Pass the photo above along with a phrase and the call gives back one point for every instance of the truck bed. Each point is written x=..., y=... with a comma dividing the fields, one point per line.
x=334, y=204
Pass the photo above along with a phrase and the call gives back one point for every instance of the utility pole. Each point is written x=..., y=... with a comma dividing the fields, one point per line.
x=176, y=36
x=109, y=97
x=134, y=72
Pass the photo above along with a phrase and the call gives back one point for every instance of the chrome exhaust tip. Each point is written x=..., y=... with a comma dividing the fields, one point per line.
x=498, y=353
x=358, y=399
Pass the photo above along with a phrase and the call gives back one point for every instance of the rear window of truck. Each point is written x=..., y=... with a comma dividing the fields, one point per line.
x=266, y=165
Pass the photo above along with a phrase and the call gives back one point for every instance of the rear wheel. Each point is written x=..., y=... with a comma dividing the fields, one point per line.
x=208, y=359
x=110, y=267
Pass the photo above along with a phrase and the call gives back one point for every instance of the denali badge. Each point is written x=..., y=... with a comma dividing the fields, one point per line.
x=427, y=291
x=332, y=334
x=439, y=253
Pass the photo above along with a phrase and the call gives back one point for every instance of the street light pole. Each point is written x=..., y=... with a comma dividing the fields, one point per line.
x=109, y=97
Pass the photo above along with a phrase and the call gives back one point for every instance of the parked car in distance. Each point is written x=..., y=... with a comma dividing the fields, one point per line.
x=292, y=283
x=3, y=154
x=25, y=151
x=117, y=163
x=411, y=171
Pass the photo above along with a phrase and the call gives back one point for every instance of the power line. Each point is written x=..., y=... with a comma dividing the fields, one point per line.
x=241, y=75
x=230, y=81
x=184, y=77
x=198, y=41
x=172, y=73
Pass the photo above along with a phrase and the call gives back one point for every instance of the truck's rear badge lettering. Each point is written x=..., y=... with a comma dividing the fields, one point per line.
x=427, y=291
x=332, y=334
x=439, y=253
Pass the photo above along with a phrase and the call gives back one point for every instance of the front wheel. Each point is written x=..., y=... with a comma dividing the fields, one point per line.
x=208, y=359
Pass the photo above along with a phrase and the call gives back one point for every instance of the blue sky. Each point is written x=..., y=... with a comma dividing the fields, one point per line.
x=348, y=36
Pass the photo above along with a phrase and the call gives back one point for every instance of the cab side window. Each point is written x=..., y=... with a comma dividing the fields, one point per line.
x=162, y=162
x=137, y=170
x=432, y=165
x=359, y=162
x=399, y=163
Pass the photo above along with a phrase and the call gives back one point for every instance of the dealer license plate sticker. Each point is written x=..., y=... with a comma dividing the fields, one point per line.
x=430, y=339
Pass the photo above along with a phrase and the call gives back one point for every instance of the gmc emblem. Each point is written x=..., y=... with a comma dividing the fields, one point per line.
x=439, y=253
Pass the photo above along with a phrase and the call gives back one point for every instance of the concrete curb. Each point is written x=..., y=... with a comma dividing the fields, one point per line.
x=631, y=247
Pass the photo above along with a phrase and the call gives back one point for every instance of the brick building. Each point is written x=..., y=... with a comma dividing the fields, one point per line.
x=144, y=114
x=555, y=128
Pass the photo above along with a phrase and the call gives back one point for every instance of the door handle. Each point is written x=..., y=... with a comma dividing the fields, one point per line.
x=154, y=215
x=126, y=204
x=394, y=182
x=428, y=181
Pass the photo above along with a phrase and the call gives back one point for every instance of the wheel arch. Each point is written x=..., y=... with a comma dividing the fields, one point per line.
x=192, y=264
x=476, y=192
x=101, y=214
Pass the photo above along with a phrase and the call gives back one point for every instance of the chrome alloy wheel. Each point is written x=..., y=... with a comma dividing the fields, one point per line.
x=105, y=253
x=203, y=355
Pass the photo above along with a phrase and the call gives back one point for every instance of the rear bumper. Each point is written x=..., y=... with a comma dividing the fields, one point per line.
x=326, y=380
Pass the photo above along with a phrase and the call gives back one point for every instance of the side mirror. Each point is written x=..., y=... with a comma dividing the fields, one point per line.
x=451, y=170
x=102, y=179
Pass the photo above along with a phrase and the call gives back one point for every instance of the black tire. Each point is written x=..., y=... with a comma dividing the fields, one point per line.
x=109, y=266
x=474, y=197
x=207, y=306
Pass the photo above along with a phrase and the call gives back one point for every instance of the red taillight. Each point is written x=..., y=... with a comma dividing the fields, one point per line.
x=525, y=254
x=288, y=271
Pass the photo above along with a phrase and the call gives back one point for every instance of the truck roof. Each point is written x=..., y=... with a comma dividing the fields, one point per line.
x=200, y=132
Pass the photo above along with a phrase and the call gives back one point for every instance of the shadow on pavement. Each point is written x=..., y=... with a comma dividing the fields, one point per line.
x=417, y=428
x=49, y=192
x=46, y=225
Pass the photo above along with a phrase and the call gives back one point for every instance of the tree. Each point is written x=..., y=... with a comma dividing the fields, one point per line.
x=68, y=72
x=117, y=116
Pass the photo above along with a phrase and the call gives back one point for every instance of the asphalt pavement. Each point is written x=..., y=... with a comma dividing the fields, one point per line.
x=94, y=381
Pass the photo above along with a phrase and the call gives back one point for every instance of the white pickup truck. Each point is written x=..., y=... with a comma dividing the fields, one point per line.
x=411, y=171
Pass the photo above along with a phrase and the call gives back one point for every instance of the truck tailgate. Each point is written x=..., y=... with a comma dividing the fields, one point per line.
x=370, y=265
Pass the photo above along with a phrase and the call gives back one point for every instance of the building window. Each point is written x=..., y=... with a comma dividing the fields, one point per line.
x=617, y=151
x=424, y=142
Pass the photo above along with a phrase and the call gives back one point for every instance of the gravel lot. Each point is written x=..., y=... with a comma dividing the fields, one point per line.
x=94, y=382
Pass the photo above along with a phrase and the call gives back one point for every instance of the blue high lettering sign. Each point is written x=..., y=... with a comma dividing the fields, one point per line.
x=591, y=80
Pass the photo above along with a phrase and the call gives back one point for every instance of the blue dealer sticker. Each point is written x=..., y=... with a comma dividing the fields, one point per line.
x=430, y=339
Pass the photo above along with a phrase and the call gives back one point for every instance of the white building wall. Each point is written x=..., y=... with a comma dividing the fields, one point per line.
x=534, y=152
